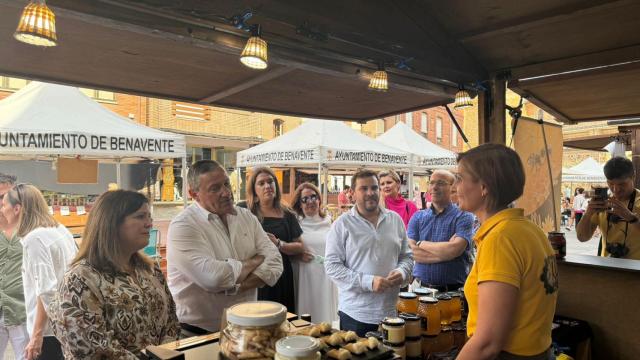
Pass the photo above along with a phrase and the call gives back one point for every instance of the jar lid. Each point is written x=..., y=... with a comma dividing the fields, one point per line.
x=428, y=300
x=453, y=294
x=422, y=291
x=444, y=297
x=407, y=295
x=257, y=313
x=297, y=346
x=412, y=338
x=409, y=317
x=391, y=321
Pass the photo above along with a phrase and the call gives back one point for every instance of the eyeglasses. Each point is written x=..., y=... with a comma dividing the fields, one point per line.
x=306, y=199
x=440, y=183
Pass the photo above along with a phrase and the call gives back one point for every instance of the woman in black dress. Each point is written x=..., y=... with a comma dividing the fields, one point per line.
x=281, y=225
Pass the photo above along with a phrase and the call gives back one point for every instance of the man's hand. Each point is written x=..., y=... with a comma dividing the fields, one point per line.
x=394, y=278
x=380, y=284
x=248, y=266
x=595, y=206
x=34, y=348
x=616, y=207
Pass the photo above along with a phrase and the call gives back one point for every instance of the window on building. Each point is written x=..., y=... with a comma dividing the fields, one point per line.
x=408, y=119
x=100, y=95
x=278, y=127
x=454, y=135
x=439, y=130
x=424, y=122
x=187, y=111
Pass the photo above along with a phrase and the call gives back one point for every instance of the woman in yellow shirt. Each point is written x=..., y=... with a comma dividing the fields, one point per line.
x=512, y=287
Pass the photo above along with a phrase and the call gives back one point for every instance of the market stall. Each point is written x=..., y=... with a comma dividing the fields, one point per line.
x=67, y=129
x=587, y=171
x=324, y=145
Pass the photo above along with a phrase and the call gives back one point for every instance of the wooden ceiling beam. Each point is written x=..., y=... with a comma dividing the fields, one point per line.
x=549, y=16
x=597, y=59
x=262, y=78
x=541, y=104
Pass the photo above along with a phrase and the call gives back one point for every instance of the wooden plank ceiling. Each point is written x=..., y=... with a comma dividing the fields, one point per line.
x=322, y=53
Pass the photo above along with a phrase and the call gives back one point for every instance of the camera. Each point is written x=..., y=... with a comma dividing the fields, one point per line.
x=617, y=250
x=600, y=194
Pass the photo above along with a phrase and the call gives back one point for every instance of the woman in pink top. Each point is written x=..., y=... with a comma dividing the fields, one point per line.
x=390, y=190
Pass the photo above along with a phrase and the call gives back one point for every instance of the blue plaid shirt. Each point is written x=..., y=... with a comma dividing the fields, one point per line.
x=430, y=226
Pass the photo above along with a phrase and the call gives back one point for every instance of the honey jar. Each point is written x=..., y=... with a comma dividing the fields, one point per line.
x=445, y=308
x=413, y=347
x=411, y=325
x=456, y=306
x=393, y=330
x=429, y=313
x=407, y=303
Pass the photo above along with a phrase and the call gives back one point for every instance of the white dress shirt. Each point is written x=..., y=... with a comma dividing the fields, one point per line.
x=46, y=257
x=204, y=262
x=356, y=251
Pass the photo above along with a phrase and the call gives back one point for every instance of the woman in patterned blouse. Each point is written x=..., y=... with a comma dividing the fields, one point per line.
x=113, y=301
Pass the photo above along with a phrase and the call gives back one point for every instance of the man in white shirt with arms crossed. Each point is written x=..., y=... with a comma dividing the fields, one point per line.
x=217, y=253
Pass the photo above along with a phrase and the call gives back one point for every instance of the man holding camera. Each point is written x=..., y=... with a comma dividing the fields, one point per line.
x=617, y=216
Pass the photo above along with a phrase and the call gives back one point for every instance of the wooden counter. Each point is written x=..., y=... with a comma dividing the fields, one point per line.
x=605, y=292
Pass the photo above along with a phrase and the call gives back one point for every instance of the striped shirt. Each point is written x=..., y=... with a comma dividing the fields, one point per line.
x=428, y=225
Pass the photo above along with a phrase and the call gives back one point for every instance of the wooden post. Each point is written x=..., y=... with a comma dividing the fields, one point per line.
x=635, y=154
x=491, y=112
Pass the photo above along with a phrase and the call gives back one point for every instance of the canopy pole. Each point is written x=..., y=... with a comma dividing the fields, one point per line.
x=410, y=180
x=184, y=182
x=325, y=188
x=118, y=174
x=320, y=176
x=238, y=184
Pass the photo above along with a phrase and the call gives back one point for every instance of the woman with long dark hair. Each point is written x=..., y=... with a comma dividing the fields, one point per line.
x=282, y=228
x=114, y=301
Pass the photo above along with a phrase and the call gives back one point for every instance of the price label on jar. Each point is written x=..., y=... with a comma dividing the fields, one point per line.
x=64, y=211
x=80, y=210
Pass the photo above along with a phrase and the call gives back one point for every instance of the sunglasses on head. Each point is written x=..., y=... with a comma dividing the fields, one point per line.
x=306, y=199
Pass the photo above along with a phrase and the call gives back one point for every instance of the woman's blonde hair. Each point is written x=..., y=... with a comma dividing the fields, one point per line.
x=297, y=199
x=101, y=243
x=390, y=173
x=253, y=203
x=34, y=211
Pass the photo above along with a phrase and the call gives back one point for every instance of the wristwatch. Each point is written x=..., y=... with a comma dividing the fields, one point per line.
x=418, y=243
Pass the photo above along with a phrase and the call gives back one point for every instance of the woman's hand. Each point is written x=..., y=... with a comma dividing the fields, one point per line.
x=273, y=239
x=34, y=348
x=307, y=256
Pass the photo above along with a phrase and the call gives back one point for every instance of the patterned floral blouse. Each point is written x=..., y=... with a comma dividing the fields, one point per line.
x=99, y=316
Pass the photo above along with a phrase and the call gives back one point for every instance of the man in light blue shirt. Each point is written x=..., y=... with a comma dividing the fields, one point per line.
x=367, y=257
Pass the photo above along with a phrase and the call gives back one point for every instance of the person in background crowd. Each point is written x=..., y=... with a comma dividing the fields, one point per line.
x=13, y=316
x=617, y=216
x=217, y=253
x=114, y=301
x=48, y=248
x=390, y=190
x=512, y=288
x=344, y=197
x=565, y=208
x=367, y=257
x=578, y=208
x=282, y=228
x=440, y=238
x=317, y=295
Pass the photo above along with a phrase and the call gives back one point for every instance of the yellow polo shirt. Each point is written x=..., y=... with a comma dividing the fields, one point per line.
x=513, y=250
x=615, y=232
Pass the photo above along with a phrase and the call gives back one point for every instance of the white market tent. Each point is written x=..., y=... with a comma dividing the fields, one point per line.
x=427, y=155
x=324, y=144
x=48, y=121
x=588, y=171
